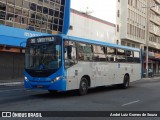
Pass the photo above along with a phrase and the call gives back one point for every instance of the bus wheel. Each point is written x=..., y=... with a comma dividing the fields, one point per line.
x=125, y=84
x=52, y=91
x=83, y=87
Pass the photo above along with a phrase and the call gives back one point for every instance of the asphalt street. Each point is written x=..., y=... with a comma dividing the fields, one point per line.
x=142, y=95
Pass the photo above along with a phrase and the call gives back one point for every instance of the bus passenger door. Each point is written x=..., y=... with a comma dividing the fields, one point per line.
x=70, y=55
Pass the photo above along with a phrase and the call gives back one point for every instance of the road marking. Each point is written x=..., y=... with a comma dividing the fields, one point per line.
x=131, y=103
x=11, y=83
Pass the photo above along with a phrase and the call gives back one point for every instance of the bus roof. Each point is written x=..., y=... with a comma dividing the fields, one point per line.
x=99, y=43
x=92, y=42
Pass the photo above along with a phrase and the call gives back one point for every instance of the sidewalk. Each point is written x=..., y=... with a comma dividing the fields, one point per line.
x=155, y=77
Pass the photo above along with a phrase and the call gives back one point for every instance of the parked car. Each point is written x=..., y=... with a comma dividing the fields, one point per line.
x=150, y=73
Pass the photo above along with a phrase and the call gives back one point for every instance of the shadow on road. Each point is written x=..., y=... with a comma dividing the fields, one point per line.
x=74, y=93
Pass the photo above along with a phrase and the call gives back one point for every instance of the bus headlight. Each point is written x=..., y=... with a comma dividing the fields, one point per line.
x=58, y=78
x=26, y=79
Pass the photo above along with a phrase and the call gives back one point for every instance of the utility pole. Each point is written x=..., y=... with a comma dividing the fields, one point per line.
x=148, y=7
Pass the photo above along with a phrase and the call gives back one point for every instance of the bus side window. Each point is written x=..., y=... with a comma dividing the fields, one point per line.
x=129, y=56
x=111, y=54
x=99, y=53
x=136, y=57
x=121, y=55
x=70, y=53
x=84, y=52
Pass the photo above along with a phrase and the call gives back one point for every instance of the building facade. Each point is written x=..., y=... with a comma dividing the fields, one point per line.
x=20, y=19
x=138, y=25
x=87, y=26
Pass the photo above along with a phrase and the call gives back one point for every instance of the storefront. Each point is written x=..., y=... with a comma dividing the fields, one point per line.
x=153, y=62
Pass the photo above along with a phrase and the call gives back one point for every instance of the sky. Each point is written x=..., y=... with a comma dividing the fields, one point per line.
x=103, y=9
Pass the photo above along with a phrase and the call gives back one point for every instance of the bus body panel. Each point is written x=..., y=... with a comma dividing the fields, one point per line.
x=102, y=73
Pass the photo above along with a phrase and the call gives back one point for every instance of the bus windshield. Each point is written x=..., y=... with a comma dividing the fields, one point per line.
x=43, y=53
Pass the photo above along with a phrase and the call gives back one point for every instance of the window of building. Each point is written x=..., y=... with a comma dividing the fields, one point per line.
x=51, y=5
x=61, y=15
x=128, y=28
x=129, y=44
x=56, y=14
x=2, y=6
x=39, y=16
x=10, y=17
x=33, y=6
x=32, y=14
x=25, y=12
x=123, y=43
x=49, y=26
x=117, y=28
x=39, y=8
x=45, y=10
x=44, y=18
x=24, y=20
x=2, y=15
x=19, y=3
x=60, y=28
x=3, y=1
x=51, y=12
x=44, y=24
x=70, y=27
x=11, y=2
x=18, y=11
x=43, y=30
x=18, y=18
x=26, y=4
x=57, y=7
x=118, y=13
x=40, y=2
x=10, y=9
x=38, y=29
x=46, y=3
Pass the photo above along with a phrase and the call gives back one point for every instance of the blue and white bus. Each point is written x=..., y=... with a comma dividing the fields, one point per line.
x=62, y=63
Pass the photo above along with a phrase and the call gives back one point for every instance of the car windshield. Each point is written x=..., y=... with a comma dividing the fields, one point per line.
x=43, y=55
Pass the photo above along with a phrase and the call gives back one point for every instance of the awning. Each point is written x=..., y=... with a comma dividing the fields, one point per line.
x=12, y=41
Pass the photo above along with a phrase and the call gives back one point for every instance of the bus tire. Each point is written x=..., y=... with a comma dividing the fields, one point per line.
x=125, y=84
x=83, y=86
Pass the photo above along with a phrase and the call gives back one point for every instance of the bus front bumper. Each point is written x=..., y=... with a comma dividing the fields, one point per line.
x=57, y=85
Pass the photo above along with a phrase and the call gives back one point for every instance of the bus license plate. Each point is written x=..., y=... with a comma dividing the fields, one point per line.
x=40, y=86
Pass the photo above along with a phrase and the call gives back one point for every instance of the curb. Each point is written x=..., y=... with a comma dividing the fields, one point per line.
x=152, y=78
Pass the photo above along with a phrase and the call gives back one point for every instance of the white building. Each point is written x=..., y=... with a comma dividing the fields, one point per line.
x=131, y=21
x=86, y=26
x=133, y=16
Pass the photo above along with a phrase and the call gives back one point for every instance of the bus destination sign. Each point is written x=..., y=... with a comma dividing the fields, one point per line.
x=42, y=39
